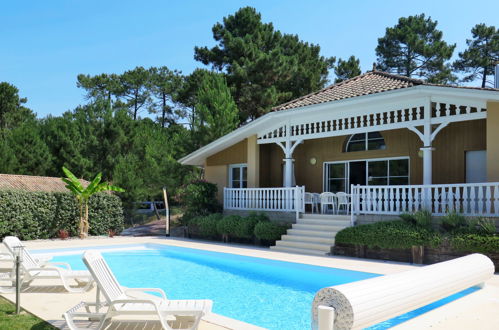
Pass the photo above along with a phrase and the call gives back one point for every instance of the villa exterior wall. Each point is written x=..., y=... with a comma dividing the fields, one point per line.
x=493, y=141
x=265, y=162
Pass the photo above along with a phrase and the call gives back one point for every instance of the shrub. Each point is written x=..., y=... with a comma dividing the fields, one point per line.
x=408, y=217
x=423, y=218
x=227, y=225
x=453, y=222
x=198, y=198
x=205, y=226
x=388, y=235
x=245, y=227
x=269, y=231
x=475, y=243
x=486, y=226
x=34, y=215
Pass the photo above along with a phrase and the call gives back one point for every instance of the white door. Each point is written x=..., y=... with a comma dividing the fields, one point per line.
x=476, y=166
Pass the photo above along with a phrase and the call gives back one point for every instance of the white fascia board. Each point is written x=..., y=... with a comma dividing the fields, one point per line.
x=354, y=104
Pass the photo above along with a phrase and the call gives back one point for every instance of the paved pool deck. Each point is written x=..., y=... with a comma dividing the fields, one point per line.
x=479, y=310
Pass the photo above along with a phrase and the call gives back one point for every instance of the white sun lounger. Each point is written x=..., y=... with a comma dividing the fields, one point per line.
x=32, y=269
x=121, y=301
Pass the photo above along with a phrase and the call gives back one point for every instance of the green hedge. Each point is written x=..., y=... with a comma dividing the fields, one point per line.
x=33, y=215
x=270, y=231
x=215, y=226
x=475, y=243
x=388, y=235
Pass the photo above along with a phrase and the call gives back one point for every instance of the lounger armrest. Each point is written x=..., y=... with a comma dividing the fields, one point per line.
x=64, y=264
x=145, y=290
x=136, y=301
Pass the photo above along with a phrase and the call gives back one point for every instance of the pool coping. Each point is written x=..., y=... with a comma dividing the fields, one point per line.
x=430, y=319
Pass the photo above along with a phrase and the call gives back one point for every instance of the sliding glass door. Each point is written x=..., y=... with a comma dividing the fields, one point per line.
x=338, y=176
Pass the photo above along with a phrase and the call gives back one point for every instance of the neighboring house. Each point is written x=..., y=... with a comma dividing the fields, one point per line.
x=393, y=143
x=34, y=183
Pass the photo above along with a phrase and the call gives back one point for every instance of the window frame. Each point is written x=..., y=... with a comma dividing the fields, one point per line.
x=241, y=168
x=366, y=141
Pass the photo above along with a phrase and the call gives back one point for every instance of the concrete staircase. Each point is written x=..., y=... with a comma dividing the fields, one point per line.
x=312, y=234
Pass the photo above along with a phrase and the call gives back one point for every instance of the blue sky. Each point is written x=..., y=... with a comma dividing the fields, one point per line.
x=46, y=44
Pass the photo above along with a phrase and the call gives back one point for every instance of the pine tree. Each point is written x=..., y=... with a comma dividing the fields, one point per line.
x=164, y=85
x=478, y=60
x=347, y=69
x=216, y=113
x=263, y=66
x=414, y=48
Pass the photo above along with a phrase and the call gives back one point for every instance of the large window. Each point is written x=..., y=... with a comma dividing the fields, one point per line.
x=365, y=141
x=388, y=172
x=338, y=176
x=238, y=174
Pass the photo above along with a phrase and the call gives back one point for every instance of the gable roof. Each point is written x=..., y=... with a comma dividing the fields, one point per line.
x=369, y=83
x=34, y=183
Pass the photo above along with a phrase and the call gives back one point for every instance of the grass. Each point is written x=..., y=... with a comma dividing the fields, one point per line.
x=9, y=320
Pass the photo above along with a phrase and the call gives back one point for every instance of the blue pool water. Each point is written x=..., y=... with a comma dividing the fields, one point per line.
x=268, y=293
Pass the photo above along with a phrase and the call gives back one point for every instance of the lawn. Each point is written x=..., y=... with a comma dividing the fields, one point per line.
x=9, y=320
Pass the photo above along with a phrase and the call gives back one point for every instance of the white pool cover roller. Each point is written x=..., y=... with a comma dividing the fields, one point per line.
x=364, y=303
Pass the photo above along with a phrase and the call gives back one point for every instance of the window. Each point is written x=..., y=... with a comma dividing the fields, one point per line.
x=388, y=172
x=336, y=177
x=238, y=176
x=365, y=141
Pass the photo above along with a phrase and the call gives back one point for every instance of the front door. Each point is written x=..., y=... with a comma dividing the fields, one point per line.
x=357, y=173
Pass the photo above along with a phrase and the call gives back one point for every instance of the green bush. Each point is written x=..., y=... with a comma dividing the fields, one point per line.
x=269, y=231
x=423, y=218
x=34, y=215
x=388, y=235
x=245, y=227
x=475, y=243
x=453, y=222
x=408, y=217
x=205, y=226
x=198, y=198
x=228, y=225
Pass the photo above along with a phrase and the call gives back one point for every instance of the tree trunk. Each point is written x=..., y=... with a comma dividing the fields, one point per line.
x=81, y=228
x=163, y=115
x=484, y=77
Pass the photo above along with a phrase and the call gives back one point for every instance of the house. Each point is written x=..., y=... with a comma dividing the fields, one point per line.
x=392, y=143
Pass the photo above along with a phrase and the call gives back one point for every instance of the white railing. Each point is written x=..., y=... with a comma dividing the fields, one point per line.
x=473, y=199
x=265, y=199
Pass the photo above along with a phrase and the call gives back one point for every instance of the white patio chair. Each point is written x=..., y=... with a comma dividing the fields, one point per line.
x=328, y=198
x=343, y=199
x=8, y=256
x=310, y=199
x=119, y=301
x=32, y=269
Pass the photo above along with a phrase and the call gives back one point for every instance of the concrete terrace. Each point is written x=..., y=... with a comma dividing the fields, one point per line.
x=477, y=310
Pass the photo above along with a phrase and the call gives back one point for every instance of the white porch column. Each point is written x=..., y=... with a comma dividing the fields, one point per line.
x=427, y=149
x=288, y=165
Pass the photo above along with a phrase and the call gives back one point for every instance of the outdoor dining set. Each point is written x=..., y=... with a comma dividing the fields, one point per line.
x=329, y=202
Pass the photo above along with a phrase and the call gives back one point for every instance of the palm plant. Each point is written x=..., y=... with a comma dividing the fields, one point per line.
x=83, y=195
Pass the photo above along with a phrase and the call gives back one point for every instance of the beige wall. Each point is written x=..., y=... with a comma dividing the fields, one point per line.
x=217, y=174
x=235, y=154
x=493, y=141
x=448, y=158
x=253, y=157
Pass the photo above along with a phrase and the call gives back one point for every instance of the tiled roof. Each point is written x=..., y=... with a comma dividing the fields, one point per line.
x=33, y=183
x=369, y=83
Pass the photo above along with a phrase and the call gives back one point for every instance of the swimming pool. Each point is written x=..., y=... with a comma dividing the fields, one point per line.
x=268, y=293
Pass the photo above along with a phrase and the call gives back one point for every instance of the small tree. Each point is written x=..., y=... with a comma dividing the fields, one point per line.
x=347, y=69
x=83, y=195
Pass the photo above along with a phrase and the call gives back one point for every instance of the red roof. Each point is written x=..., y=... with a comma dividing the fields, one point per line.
x=369, y=83
x=33, y=183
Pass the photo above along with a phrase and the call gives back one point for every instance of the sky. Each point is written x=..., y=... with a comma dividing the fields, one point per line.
x=44, y=45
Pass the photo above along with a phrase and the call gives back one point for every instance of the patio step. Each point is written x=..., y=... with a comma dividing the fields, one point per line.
x=298, y=250
x=328, y=227
x=312, y=233
x=327, y=222
x=305, y=245
x=312, y=239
